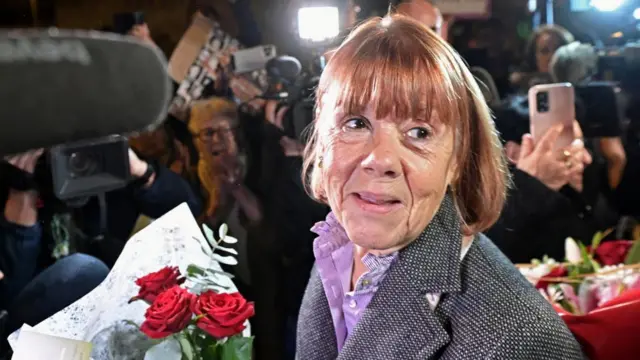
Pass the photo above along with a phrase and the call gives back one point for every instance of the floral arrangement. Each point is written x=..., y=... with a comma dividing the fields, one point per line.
x=194, y=310
x=597, y=293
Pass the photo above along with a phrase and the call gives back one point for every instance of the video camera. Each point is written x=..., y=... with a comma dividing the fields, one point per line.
x=621, y=65
x=295, y=88
x=76, y=94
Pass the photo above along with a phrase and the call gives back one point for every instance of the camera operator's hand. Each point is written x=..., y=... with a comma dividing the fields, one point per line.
x=247, y=92
x=274, y=115
x=542, y=161
x=142, y=33
x=20, y=208
x=25, y=161
x=139, y=168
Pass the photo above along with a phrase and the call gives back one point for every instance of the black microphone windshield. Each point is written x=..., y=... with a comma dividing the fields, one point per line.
x=61, y=86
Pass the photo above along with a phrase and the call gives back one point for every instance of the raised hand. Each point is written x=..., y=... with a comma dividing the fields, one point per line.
x=542, y=161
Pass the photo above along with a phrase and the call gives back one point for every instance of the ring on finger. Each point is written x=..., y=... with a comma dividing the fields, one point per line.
x=566, y=154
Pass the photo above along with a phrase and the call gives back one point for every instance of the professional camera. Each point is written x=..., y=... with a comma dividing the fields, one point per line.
x=96, y=85
x=295, y=88
x=72, y=173
x=621, y=65
x=88, y=168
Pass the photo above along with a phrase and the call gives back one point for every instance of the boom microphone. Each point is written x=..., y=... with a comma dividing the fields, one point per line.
x=66, y=86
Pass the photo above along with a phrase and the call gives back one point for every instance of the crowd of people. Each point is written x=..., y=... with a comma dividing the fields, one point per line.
x=236, y=165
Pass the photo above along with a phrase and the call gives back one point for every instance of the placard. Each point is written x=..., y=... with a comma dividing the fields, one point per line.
x=195, y=63
x=465, y=8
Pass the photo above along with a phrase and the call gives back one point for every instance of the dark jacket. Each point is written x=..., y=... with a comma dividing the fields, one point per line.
x=536, y=220
x=487, y=310
x=25, y=251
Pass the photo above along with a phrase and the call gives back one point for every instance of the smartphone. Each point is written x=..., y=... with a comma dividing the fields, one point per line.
x=550, y=105
x=252, y=59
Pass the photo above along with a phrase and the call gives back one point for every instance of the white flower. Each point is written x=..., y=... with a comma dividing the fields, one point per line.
x=572, y=251
x=552, y=295
x=533, y=274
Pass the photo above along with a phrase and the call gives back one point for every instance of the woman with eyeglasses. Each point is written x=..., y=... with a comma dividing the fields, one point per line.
x=221, y=164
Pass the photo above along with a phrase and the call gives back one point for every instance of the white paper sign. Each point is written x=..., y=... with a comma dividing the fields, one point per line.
x=464, y=8
x=34, y=345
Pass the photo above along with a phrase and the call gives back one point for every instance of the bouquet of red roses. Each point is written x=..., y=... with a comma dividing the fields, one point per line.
x=596, y=291
x=208, y=326
x=207, y=323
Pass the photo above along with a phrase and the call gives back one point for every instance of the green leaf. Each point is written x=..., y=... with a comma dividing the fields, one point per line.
x=212, y=352
x=584, y=252
x=597, y=239
x=595, y=242
x=193, y=270
x=186, y=347
x=237, y=348
x=633, y=256
x=218, y=272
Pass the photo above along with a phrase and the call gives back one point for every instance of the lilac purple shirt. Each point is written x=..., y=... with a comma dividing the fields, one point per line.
x=334, y=262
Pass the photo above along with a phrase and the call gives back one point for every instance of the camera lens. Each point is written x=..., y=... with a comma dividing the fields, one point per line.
x=542, y=101
x=81, y=164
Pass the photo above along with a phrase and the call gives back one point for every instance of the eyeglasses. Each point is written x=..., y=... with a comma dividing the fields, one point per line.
x=208, y=134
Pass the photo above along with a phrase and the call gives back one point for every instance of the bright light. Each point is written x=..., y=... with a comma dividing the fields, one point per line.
x=318, y=23
x=636, y=14
x=617, y=35
x=607, y=5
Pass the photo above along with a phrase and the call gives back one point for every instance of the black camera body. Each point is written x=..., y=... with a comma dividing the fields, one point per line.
x=88, y=168
x=294, y=88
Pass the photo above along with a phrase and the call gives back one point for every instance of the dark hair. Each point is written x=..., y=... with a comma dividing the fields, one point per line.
x=560, y=34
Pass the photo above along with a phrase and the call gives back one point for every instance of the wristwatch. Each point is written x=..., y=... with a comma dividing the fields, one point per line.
x=16, y=178
x=144, y=179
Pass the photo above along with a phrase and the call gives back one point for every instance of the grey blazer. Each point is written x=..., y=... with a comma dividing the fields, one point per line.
x=487, y=310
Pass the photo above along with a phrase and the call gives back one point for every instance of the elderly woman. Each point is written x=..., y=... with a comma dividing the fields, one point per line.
x=405, y=153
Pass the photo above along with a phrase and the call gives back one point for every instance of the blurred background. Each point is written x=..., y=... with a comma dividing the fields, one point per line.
x=504, y=28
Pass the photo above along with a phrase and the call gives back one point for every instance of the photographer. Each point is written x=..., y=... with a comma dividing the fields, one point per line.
x=576, y=63
x=281, y=257
x=46, y=228
x=30, y=289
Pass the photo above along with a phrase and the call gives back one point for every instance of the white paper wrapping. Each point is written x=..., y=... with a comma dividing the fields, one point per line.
x=173, y=240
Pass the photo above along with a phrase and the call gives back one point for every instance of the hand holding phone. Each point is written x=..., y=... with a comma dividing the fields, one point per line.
x=552, y=105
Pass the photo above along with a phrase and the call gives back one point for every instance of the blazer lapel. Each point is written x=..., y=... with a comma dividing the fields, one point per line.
x=315, y=325
x=399, y=323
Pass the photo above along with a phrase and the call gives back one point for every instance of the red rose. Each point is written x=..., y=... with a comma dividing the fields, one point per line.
x=613, y=252
x=222, y=315
x=170, y=313
x=153, y=284
x=556, y=272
